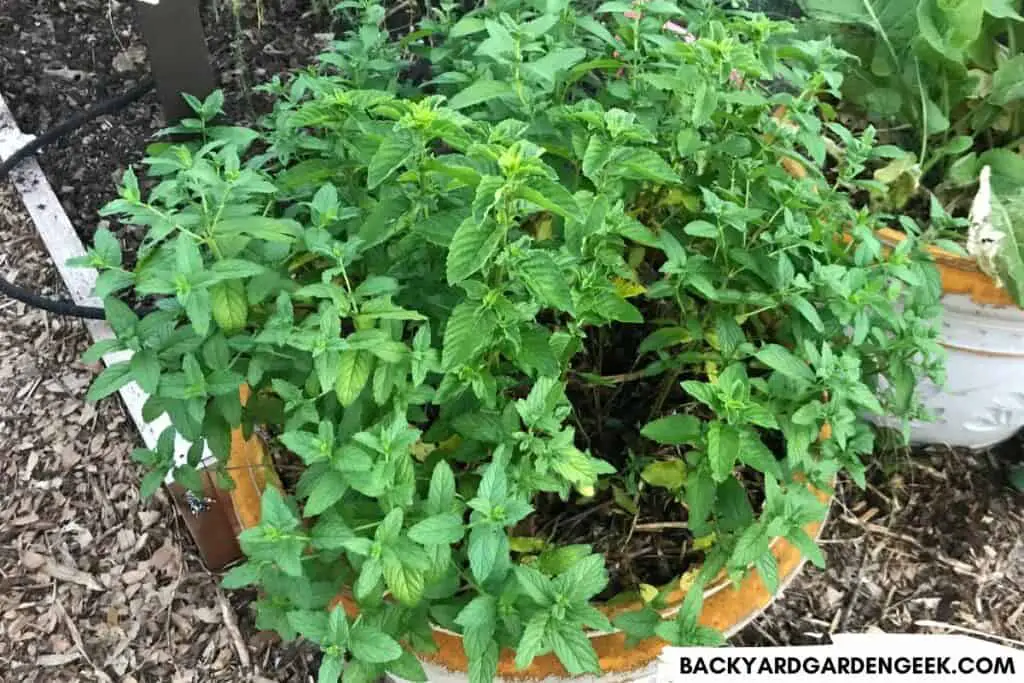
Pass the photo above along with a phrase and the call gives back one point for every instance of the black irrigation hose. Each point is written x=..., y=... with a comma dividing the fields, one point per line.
x=110, y=106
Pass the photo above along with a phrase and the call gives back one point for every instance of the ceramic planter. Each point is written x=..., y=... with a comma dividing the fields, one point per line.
x=982, y=402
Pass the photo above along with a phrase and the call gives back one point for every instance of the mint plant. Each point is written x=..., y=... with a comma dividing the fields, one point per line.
x=423, y=284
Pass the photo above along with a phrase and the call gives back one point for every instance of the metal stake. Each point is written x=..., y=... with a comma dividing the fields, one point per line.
x=178, y=56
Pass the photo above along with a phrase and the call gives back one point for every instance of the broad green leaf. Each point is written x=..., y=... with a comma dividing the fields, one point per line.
x=807, y=547
x=723, y=449
x=353, y=372
x=544, y=278
x=145, y=369
x=229, y=306
x=573, y=649
x=674, y=430
x=471, y=248
x=109, y=381
x=780, y=359
x=329, y=488
x=405, y=583
x=372, y=645
x=444, y=528
x=480, y=92
x=240, y=576
x=331, y=667
x=486, y=543
x=395, y=150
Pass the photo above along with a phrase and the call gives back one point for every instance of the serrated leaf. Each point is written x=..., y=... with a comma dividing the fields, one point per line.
x=395, y=150
x=723, y=448
x=668, y=474
x=545, y=279
x=109, y=381
x=480, y=92
x=405, y=583
x=781, y=360
x=445, y=528
x=471, y=248
x=674, y=430
x=354, y=369
x=372, y=645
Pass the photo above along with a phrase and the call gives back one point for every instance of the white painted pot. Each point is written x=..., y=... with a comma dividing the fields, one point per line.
x=982, y=402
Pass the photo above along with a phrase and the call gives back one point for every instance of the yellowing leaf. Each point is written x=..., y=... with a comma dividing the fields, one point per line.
x=449, y=444
x=421, y=450
x=627, y=289
x=676, y=197
x=623, y=500
x=648, y=592
x=543, y=229
x=711, y=368
x=687, y=580
x=704, y=542
x=527, y=544
x=636, y=256
x=669, y=474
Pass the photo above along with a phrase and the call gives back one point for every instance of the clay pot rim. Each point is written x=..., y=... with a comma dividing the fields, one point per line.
x=720, y=583
x=676, y=596
x=892, y=237
x=960, y=276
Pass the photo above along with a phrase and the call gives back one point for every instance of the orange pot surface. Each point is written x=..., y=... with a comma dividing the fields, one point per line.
x=724, y=610
x=960, y=275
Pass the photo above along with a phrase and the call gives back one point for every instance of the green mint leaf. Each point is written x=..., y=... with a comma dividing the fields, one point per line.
x=473, y=244
x=544, y=278
x=354, y=368
x=723, y=447
x=240, y=576
x=441, y=529
x=329, y=488
x=534, y=640
x=408, y=668
x=807, y=547
x=487, y=543
x=768, y=569
x=109, y=381
x=372, y=645
x=312, y=624
x=480, y=92
x=331, y=667
x=573, y=649
x=441, y=494
x=754, y=453
x=783, y=361
x=536, y=586
x=584, y=579
x=394, y=151
x=674, y=430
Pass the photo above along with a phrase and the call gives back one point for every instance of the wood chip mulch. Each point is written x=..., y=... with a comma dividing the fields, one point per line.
x=97, y=585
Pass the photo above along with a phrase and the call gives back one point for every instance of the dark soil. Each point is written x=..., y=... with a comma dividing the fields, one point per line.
x=58, y=58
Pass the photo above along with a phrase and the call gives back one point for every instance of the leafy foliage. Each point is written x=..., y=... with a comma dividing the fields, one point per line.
x=948, y=75
x=405, y=278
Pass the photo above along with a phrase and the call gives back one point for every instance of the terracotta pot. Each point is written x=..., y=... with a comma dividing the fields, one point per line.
x=982, y=402
x=217, y=517
x=726, y=608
